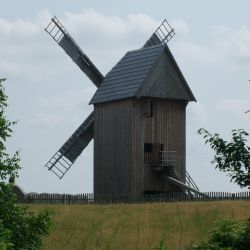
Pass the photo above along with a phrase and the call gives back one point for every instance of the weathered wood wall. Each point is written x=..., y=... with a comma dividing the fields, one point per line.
x=166, y=126
x=112, y=147
x=120, y=131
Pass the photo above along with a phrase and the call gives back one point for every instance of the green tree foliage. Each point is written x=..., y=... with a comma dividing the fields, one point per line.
x=227, y=235
x=5, y=236
x=19, y=228
x=9, y=166
x=232, y=157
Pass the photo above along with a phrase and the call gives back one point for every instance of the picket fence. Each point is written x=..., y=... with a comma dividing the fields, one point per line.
x=88, y=198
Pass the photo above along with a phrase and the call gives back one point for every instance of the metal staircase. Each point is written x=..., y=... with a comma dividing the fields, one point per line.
x=63, y=159
x=189, y=187
x=166, y=165
x=172, y=173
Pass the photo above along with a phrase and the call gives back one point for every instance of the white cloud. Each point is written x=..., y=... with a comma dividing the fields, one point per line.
x=18, y=27
x=105, y=38
x=142, y=23
x=225, y=45
x=197, y=53
x=180, y=26
x=14, y=68
x=110, y=31
x=234, y=42
x=198, y=113
x=8, y=67
x=47, y=120
x=24, y=43
x=66, y=101
x=95, y=23
x=235, y=107
x=63, y=108
x=43, y=17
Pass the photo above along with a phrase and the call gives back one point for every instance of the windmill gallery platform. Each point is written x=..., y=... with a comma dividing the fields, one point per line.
x=138, y=123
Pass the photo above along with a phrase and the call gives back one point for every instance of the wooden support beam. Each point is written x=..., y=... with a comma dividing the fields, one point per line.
x=184, y=186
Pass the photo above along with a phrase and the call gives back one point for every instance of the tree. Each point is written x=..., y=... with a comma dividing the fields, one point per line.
x=5, y=238
x=227, y=235
x=232, y=157
x=19, y=228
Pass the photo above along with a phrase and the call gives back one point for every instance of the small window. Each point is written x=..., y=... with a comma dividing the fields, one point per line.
x=148, y=108
x=147, y=152
x=148, y=147
x=153, y=153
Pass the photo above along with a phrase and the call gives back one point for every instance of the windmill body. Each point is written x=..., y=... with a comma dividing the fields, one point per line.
x=138, y=123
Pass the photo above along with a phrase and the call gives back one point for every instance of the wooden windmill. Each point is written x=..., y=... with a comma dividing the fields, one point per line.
x=138, y=123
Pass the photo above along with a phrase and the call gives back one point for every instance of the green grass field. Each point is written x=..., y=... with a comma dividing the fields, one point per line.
x=136, y=226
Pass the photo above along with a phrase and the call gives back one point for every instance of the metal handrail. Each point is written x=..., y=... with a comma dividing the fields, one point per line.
x=167, y=156
x=190, y=181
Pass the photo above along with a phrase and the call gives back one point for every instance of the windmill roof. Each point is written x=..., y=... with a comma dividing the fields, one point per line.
x=129, y=76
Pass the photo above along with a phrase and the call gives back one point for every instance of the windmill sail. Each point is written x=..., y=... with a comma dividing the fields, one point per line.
x=63, y=159
x=56, y=30
x=162, y=34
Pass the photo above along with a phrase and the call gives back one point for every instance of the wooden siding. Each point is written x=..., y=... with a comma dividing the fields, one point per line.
x=112, y=144
x=166, y=126
x=120, y=131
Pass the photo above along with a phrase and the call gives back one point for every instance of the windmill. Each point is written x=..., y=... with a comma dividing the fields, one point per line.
x=122, y=89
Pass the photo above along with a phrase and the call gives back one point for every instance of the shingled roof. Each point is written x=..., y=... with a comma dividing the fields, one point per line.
x=150, y=72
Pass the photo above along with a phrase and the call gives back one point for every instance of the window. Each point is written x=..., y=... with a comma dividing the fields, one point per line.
x=148, y=147
x=147, y=152
x=148, y=108
x=152, y=153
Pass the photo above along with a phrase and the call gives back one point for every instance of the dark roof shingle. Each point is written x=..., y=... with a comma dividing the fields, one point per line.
x=126, y=77
x=147, y=72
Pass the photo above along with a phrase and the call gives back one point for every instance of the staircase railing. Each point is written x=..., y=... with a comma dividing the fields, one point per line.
x=190, y=182
x=168, y=161
x=167, y=157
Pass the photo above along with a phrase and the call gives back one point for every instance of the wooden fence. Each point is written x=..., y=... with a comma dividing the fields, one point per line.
x=88, y=198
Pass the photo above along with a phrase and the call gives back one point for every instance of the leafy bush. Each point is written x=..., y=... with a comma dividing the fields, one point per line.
x=232, y=157
x=25, y=228
x=5, y=236
x=19, y=228
x=227, y=235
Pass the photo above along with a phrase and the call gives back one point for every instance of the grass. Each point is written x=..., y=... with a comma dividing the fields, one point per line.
x=136, y=226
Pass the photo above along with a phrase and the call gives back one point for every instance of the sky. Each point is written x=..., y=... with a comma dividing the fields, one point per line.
x=49, y=95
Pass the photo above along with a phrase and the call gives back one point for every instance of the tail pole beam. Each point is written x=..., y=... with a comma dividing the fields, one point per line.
x=185, y=187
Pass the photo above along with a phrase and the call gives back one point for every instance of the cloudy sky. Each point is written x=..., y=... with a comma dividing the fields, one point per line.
x=49, y=95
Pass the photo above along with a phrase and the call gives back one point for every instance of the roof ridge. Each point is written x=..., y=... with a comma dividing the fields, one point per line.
x=148, y=48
